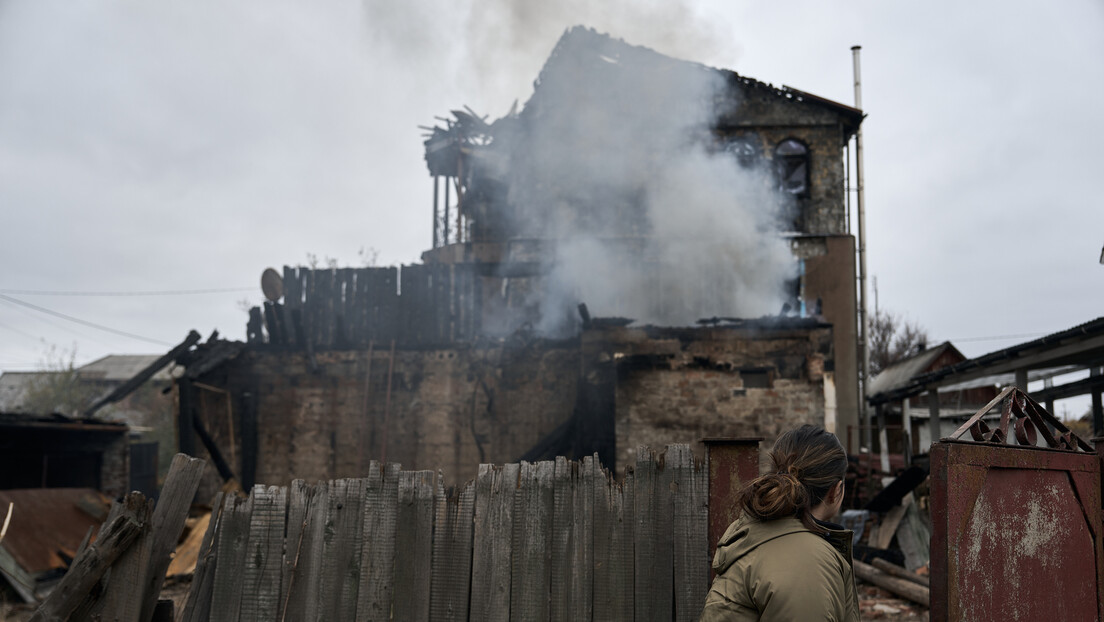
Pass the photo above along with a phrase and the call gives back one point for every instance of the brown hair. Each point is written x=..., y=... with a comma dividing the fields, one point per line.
x=808, y=462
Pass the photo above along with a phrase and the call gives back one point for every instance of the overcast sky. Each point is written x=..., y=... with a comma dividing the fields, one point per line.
x=176, y=146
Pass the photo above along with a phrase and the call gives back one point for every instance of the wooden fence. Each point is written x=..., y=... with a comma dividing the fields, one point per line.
x=335, y=308
x=554, y=540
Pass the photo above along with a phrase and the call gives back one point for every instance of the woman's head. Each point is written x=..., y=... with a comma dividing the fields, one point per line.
x=808, y=465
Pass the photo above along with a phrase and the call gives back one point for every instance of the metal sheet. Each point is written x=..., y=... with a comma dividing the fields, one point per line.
x=46, y=521
x=733, y=462
x=1015, y=533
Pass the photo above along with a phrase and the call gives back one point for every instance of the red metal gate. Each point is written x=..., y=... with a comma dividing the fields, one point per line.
x=1016, y=528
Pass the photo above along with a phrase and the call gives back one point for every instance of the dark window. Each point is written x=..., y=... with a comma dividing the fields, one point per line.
x=756, y=378
x=791, y=158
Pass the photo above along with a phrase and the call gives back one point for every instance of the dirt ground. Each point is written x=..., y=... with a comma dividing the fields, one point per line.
x=878, y=604
x=874, y=604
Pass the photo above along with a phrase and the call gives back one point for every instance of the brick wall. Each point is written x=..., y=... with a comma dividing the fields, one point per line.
x=452, y=409
x=729, y=383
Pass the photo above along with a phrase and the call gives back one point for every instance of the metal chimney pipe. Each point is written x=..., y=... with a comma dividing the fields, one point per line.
x=864, y=325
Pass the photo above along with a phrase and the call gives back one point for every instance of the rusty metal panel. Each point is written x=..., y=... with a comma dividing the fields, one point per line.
x=733, y=462
x=1015, y=533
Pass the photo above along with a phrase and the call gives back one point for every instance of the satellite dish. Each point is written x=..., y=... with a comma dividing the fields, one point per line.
x=272, y=285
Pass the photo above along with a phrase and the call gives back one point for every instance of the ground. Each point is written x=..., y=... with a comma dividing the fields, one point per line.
x=874, y=604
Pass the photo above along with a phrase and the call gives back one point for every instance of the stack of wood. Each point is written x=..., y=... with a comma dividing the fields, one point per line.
x=119, y=574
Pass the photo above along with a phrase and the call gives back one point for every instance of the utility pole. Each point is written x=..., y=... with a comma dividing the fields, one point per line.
x=864, y=346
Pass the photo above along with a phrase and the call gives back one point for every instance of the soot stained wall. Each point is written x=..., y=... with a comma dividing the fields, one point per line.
x=453, y=409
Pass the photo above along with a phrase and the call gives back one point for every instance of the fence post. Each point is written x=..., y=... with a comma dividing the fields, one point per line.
x=733, y=462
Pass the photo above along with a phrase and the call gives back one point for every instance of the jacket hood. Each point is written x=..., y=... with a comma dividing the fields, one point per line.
x=746, y=534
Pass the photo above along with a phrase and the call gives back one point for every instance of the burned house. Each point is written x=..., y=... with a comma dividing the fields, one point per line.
x=652, y=188
x=648, y=251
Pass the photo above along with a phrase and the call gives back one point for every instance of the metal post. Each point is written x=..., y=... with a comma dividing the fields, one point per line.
x=906, y=423
x=933, y=413
x=733, y=463
x=860, y=205
x=1097, y=406
x=445, y=222
x=1021, y=380
x=436, y=187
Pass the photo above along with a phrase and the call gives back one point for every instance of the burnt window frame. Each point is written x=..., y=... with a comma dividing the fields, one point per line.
x=749, y=157
x=783, y=163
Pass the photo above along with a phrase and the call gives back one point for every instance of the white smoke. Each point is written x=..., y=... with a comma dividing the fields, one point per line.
x=623, y=165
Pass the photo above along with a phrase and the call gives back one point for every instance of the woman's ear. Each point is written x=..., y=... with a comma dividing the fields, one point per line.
x=837, y=492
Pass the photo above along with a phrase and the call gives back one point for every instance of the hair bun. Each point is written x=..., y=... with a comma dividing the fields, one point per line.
x=776, y=495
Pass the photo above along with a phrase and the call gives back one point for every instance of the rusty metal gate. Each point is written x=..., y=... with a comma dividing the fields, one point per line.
x=1016, y=519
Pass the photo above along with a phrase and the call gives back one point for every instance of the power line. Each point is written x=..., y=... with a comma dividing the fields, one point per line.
x=174, y=292
x=998, y=337
x=80, y=321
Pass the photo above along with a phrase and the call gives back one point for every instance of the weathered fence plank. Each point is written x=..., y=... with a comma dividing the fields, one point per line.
x=452, y=554
x=336, y=542
x=264, y=555
x=582, y=539
x=227, y=590
x=298, y=500
x=380, y=517
x=494, y=509
x=563, y=522
x=531, y=565
x=653, y=539
x=415, y=540
x=613, y=555
x=302, y=598
x=549, y=540
x=690, y=530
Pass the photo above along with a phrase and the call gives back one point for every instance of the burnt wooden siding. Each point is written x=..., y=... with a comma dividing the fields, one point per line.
x=348, y=308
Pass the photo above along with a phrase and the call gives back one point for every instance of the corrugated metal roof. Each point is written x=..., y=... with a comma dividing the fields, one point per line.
x=46, y=520
x=121, y=367
x=901, y=373
x=14, y=386
x=1081, y=332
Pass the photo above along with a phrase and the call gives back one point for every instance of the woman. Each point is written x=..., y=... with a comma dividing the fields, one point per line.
x=781, y=559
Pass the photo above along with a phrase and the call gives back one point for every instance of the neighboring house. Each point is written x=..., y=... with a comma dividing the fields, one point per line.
x=144, y=415
x=1074, y=357
x=912, y=415
x=97, y=379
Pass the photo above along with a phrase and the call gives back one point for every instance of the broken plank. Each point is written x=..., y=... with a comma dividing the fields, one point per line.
x=198, y=605
x=87, y=570
x=169, y=516
x=121, y=600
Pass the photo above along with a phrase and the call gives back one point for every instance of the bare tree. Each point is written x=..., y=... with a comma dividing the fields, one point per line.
x=58, y=389
x=892, y=338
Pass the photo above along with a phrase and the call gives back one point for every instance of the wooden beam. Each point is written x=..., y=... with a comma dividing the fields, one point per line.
x=141, y=377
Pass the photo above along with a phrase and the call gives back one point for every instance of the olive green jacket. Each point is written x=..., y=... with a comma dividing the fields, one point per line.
x=779, y=570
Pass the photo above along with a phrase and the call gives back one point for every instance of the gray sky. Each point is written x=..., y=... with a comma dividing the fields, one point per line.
x=187, y=146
